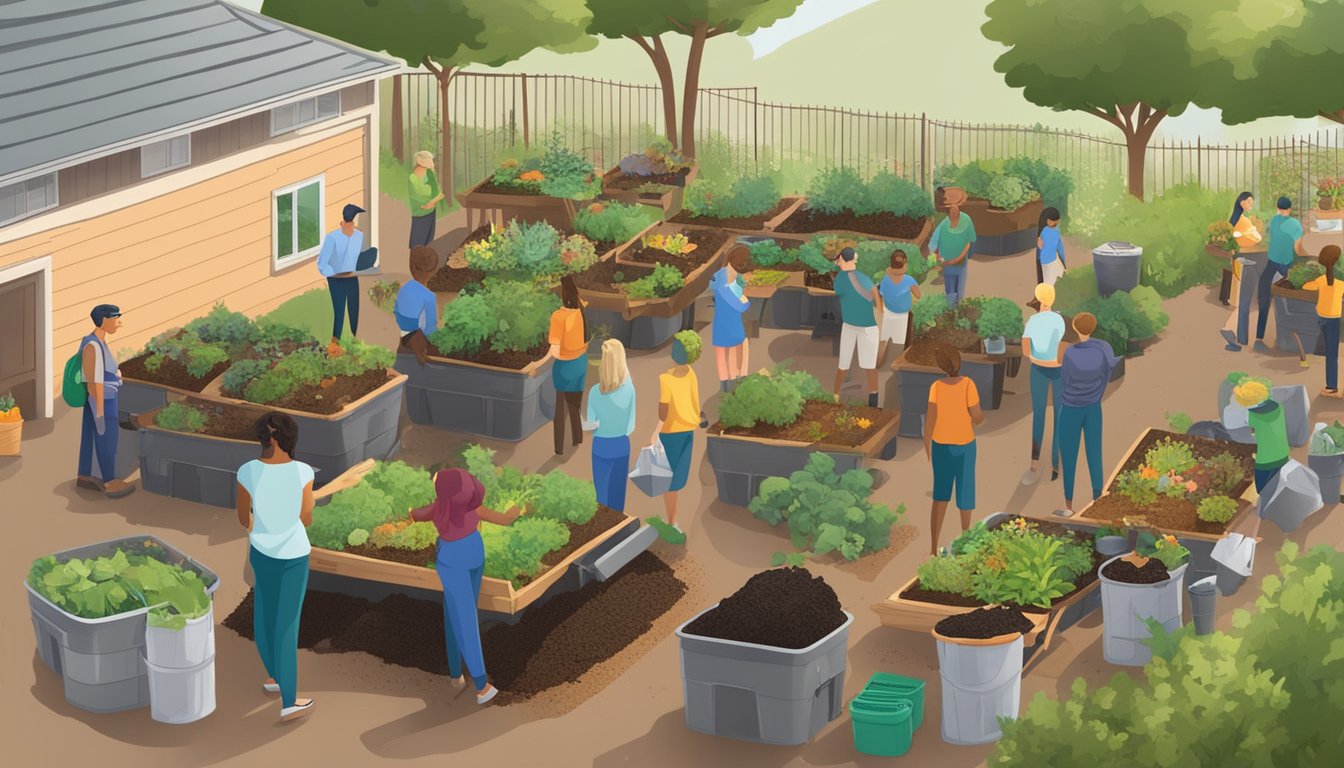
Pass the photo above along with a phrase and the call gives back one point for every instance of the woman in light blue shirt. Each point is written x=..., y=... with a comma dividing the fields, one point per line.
x=275, y=505
x=1042, y=345
x=611, y=414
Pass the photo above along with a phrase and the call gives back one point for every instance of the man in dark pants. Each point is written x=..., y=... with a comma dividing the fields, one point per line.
x=99, y=430
x=1285, y=241
x=341, y=256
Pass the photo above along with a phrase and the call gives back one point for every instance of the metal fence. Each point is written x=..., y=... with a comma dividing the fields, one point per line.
x=498, y=114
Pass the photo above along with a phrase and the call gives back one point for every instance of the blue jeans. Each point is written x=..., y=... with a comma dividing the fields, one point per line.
x=99, y=451
x=344, y=294
x=460, y=565
x=277, y=603
x=1330, y=333
x=954, y=285
x=611, y=468
x=1045, y=383
x=954, y=466
x=1263, y=476
x=1080, y=424
x=1273, y=271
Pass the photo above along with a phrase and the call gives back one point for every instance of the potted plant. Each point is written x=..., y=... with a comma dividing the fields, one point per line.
x=1143, y=585
x=11, y=426
x=999, y=320
x=1326, y=189
x=980, y=664
x=839, y=200
x=774, y=422
x=744, y=205
x=1326, y=459
x=656, y=176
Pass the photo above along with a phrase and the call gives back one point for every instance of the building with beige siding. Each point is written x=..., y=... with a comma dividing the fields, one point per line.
x=164, y=156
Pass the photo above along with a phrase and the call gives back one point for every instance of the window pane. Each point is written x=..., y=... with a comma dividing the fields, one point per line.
x=282, y=118
x=10, y=201
x=309, y=213
x=329, y=104
x=307, y=111
x=284, y=225
x=179, y=149
x=37, y=195
x=153, y=158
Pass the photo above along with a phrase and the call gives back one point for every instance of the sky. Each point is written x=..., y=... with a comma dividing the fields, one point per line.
x=810, y=15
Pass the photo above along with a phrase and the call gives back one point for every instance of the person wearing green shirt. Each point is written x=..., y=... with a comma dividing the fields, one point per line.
x=424, y=195
x=1270, y=427
x=858, y=329
x=951, y=243
x=1285, y=242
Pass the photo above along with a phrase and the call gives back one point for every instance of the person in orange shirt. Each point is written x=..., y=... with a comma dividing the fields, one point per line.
x=1248, y=233
x=569, y=348
x=1329, y=297
x=949, y=440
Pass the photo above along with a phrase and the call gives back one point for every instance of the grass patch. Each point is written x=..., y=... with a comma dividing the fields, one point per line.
x=310, y=310
x=392, y=181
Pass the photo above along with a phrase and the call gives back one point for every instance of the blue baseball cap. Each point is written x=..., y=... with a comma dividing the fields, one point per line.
x=349, y=212
x=1285, y=203
x=104, y=311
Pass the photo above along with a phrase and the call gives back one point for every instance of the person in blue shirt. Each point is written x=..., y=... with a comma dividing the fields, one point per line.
x=611, y=416
x=342, y=255
x=1285, y=242
x=1042, y=345
x=1085, y=372
x=899, y=292
x=416, y=309
x=1050, y=264
x=727, y=332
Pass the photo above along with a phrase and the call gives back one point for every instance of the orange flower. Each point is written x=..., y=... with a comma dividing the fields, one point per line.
x=1191, y=486
x=531, y=176
x=596, y=208
x=1147, y=473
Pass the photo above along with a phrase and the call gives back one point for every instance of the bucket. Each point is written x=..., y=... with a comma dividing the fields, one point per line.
x=982, y=681
x=1110, y=546
x=1328, y=469
x=188, y=647
x=1233, y=556
x=178, y=696
x=996, y=346
x=882, y=729
x=909, y=688
x=1203, y=601
x=1125, y=609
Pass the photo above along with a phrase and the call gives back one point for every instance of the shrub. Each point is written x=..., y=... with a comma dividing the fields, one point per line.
x=745, y=197
x=511, y=316
x=180, y=417
x=1075, y=289
x=693, y=344
x=566, y=173
x=1122, y=317
x=772, y=397
x=827, y=512
x=1217, y=509
x=1053, y=185
x=838, y=189
x=947, y=573
x=999, y=318
x=898, y=196
x=663, y=282
x=1009, y=192
x=612, y=222
x=566, y=499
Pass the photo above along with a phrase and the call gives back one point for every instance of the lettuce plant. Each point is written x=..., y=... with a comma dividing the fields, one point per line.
x=612, y=222
x=95, y=588
x=662, y=283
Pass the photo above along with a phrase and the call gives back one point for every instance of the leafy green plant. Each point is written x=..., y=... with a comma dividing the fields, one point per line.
x=1009, y=192
x=1033, y=573
x=180, y=417
x=566, y=173
x=999, y=317
x=774, y=397
x=530, y=251
x=1219, y=475
x=612, y=222
x=1170, y=457
x=386, y=494
x=693, y=344
x=510, y=316
x=565, y=498
x=221, y=326
x=514, y=552
x=1217, y=509
x=7, y=403
x=947, y=573
x=744, y=197
x=403, y=534
x=664, y=282
x=827, y=512
x=307, y=368
x=1053, y=185
x=186, y=348
x=357, y=537
x=1179, y=422
x=898, y=196
x=98, y=587
x=1304, y=272
x=1139, y=490
x=1165, y=548
x=927, y=309
x=769, y=253
x=1122, y=317
x=838, y=189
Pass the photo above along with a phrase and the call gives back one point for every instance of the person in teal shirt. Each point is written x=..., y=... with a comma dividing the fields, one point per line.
x=1285, y=242
x=858, y=329
x=951, y=242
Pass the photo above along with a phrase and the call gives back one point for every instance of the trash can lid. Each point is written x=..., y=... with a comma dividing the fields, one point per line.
x=1119, y=248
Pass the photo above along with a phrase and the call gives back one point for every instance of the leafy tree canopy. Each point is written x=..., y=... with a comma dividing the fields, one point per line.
x=619, y=18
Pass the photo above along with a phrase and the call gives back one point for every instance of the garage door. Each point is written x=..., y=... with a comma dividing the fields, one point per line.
x=18, y=343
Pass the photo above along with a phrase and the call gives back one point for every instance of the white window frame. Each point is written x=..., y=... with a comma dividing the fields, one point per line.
x=317, y=116
x=56, y=188
x=148, y=174
x=277, y=261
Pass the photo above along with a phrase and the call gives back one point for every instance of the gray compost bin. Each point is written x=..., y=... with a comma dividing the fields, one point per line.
x=102, y=660
x=1118, y=266
x=484, y=401
x=760, y=693
x=197, y=468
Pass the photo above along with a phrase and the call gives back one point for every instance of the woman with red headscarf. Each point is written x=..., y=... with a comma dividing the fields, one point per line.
x=456, y=511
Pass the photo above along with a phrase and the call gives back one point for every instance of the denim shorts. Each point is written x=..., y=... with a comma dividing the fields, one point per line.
x=954, y=466
x=678, y=448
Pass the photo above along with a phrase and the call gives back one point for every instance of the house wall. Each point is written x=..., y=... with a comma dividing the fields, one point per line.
x=168, y=249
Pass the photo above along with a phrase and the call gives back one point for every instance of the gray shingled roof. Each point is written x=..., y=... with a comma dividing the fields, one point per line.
x=82, y=77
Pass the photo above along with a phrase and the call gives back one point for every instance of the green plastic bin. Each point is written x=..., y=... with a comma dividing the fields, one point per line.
x=909, y=688
x=881, y=729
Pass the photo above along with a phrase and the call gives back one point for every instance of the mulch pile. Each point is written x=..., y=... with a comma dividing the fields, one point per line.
x=171, y=373
x=984, y=623
x=805, y=221
x=552, y=644
x=781, y=608
x=1153, y=572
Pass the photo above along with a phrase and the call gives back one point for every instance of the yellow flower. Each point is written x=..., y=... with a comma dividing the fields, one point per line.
x=864, y=423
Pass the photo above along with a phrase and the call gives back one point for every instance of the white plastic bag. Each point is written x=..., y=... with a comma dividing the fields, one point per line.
x=653, y=472
x=1234, y=554
x=1290, y=496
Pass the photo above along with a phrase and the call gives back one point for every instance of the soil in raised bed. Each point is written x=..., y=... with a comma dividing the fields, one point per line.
x=1153, y=572
x=552, y=644
x=707, y=241
x=171, y=373
x=423, y=558
x=744, y=223
x=805, y=221
x=342, y=391
x=984, y=623
x=630, y=181
x=780, y=608
x=601, y=276
x=229, y=421
x=512, y=359
x=454, y=279
x=921, y=352
x=491, y=187
x=825, y=415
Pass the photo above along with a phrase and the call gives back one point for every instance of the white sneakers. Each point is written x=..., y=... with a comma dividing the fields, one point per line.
x=484, y=697
x=301, y=707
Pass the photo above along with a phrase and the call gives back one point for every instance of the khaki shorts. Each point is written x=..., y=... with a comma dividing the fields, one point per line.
x=1052, y=271
x=894, y=327
x=864, y=341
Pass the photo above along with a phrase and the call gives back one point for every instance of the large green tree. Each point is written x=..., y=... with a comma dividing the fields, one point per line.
x=1128, y=62
x=647, y=21
x=444, y=36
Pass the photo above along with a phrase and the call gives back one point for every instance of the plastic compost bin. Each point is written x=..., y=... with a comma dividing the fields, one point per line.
x=760, y=693
x=102, y=660
x=1118, y=266
x=908, y=688
x=881, y=728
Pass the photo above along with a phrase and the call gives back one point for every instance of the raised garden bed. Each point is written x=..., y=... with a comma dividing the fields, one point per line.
x=1295, y=320
x=749, y=225
x=840, y=200
x=883, y=226
x=506, y=399
x=522, y=190
x=745, y=448
x=661, y=190
x=1177, y=515
x=1000, y=232
x=914, y=608
x=202, y=465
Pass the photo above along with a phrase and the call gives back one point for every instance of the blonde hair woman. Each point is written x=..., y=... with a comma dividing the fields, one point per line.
x=1042, y=344
x=424, y=195
x=611, y=416
x=1267, y=422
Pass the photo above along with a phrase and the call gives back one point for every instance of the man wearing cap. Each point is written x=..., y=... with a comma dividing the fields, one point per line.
x=98, y=434
x=858, y=330
x=951, y=244
x=341, y=256
x=1285, y=241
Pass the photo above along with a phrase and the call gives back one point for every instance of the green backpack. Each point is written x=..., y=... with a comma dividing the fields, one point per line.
x=73, y=391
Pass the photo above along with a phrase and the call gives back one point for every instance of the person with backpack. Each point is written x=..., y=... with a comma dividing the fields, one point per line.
x=91, y=382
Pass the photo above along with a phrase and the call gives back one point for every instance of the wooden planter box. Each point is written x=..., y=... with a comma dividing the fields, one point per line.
x=790, y=203
x=740, y=463
x=369, y=428
x=500, y=207
x=1000, y=232
x=1295, y=323
x=921, y=240
x=669, y=200
x=497, y=595
x=497, y=403
x=910, y=386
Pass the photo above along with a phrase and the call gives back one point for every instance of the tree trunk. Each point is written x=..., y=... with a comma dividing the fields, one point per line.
x=398, y=138
x=1137, y=151
x=663, y=67
x=699, y=34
